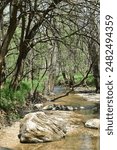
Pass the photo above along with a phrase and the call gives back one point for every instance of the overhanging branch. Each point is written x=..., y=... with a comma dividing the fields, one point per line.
x=76, y=85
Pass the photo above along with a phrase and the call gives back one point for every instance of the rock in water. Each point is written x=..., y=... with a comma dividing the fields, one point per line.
x=38, y=106
x=40, y=127
x=93, y=123
x=48, y=126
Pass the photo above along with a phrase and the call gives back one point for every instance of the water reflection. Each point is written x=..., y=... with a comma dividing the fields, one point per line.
x=81, y=142
x=87, y=143
x=60, y=89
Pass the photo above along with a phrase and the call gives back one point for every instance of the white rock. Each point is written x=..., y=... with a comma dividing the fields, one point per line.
x=93, y=123
x=47, y=126
x=38, y=127
x=48, y=107
x=82, y=107
x=70, y=108
x=38, y=106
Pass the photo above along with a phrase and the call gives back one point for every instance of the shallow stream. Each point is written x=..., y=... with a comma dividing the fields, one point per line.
x=84, y=139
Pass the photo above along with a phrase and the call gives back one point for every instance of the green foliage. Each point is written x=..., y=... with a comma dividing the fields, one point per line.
x=35, y=83
x=90, y=80
x=78, y=77
x=12, y=99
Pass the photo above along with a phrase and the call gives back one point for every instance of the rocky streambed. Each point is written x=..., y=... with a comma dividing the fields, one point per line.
x=69, y=128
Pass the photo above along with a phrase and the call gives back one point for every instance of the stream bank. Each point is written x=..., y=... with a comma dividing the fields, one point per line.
x=83, y=139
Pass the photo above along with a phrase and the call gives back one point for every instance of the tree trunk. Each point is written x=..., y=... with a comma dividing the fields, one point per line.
x=6, y=39
x=50, y=83
x=65, y=76
x=19, y=67
x=2, y=72
x=25, y=46
x=95, y=68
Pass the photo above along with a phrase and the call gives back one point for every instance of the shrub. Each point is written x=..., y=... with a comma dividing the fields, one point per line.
x=90, y=80
x=10, y=99
x=78, y=77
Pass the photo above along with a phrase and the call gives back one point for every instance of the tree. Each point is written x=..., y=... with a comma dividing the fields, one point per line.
x=27, y=37
x=6, y=38
x=31, y=28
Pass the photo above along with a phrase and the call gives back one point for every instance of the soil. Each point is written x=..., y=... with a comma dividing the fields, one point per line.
x=8, y=136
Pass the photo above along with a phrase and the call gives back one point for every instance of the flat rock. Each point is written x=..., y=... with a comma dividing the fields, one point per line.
x=93, y=123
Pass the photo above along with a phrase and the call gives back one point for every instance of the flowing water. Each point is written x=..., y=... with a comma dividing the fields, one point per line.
x=84, y=139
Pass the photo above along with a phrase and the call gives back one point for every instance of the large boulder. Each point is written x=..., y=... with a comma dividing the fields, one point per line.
x=46, y=126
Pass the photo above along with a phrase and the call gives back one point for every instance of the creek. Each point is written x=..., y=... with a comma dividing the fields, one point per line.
x=83, y=139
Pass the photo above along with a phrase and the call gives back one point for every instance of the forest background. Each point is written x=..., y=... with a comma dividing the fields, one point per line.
x=47, y=43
